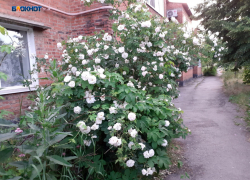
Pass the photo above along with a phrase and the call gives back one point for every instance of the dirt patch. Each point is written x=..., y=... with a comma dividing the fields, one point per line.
x=179, y=163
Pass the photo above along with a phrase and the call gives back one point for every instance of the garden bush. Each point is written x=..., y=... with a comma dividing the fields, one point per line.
x=212, y=71
x=108, y=113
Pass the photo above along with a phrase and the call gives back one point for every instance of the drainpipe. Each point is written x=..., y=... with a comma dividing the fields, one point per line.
x=65, y=13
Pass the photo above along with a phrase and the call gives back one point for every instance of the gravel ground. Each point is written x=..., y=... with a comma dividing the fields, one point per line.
x=218, y=148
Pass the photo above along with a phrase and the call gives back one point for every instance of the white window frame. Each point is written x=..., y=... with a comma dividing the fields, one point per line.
x=161, y=13
x=32, y=55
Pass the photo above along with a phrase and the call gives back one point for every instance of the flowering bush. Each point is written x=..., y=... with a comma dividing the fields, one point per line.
x=108, y=113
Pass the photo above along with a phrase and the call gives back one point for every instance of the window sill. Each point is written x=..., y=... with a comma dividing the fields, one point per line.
x=16, y=89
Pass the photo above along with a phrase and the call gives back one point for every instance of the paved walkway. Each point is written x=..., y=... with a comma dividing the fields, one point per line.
x=217, y=149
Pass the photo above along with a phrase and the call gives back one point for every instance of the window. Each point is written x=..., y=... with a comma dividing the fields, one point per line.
x=158, y=5
x=19, y=62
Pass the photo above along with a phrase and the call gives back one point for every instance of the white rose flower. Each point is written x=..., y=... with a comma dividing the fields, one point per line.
x=149, y=44
x=144, y=73
x=95, y=127
x=157, y=29
x=162, y=35
x=167, y=123
x=124, y=72
x=67, y=78
x=134, y=59
x=110, y=127
x=131, y=116
x=81, y=56
x=124, y=55
x=86, y=142
x=130, y=144
x=151, y=152
x=116, y=65
x=78, y=73
x=144, y=172
x=106, y=47
x=160, y=76
x=169, y=86
x=172, y=75
x=85, y=130
x=97, y=60
x=81, y=124
x=133, y=132
x=112, y=110
x=146, y=155
x=46, y=56
x=121, y=49
x=72, y=84
x=143, y=68
x=109, y=38
x=117, y=126
x=126, y=61
x=92, y=79
x=70, y=66
x=121, y=27
x=102, y=76
x=100, y=116
x=84, y=62
x=85, y=75
x=59, y=46
x=102, y=97
x=77, y=110
x=165, y=143
x=142, y=146
x=130, y=163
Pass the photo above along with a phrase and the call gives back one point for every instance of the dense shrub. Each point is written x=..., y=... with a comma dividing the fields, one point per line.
x=108, y=113
x=212, y=71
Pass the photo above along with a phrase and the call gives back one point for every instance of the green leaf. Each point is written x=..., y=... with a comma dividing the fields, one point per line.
x=50, y=176
x=40, y=150
x=3, y=76
x=180, y=163
x=70, y=158
x=34, y=127
x=6, y=154
x=7, y=136
x=7, y=123
x=19, y=164
x=57, y=138
x=16, y=178
x=36, y=171
x=114, y=176
x=2, y=30
x=26, y=149
x=2, y=171
x=59, y=160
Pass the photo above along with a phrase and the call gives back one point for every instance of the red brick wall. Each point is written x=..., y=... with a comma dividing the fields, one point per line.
x=185, y=76
x=62, y=27
x=197, y=71
x=180, y=10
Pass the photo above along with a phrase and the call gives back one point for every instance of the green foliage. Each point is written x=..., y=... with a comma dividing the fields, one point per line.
x=211, y=71
x=231, y=20
x=246, y=75
x=100, y=120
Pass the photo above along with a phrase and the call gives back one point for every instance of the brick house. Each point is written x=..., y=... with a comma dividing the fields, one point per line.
x=41, y=30
x=183, y=15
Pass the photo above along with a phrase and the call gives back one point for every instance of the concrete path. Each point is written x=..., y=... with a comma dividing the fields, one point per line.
x=217, y=149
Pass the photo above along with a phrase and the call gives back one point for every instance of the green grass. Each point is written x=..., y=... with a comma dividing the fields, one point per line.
x=239, y=93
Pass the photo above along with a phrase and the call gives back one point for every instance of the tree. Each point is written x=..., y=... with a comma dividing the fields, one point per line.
x=230, y=19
